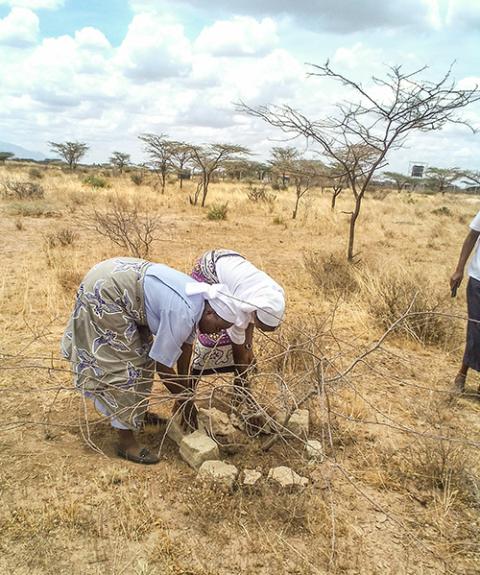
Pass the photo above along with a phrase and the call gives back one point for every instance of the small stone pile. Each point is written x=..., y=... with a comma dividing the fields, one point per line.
x=200, y=450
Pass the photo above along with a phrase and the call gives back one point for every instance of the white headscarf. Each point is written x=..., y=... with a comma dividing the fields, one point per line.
x=270, y=305
x=221, y=299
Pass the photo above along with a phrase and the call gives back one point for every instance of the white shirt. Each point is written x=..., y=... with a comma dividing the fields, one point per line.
x=172, y=316
x=243, y=280
x=474, y=265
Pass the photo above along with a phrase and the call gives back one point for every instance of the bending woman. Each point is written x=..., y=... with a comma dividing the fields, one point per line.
x=128, y=316
x=261, y=303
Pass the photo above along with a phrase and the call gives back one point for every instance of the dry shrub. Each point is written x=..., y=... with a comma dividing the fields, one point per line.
x=390, y=295
x=33, y=209
x=137, y=178
x=436, y=464
x=217, y=212
x=69, y=278
x=35, y=173
x=127, y=225
x=61, y=238
x=19, y=224
x=22, y=190
x=331, y=273
x=260, y=194
x=379, y=194
x=95, y=182
x=442, y=211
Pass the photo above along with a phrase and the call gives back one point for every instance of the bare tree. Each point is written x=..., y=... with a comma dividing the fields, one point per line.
x=120, y=161
x=128, y=226
x=369, y=128
x=208, y=159
x=71, y=152
x=441, y=179
x=304, y=174
x=160, y=150
x=337, y=179
x=471, y=177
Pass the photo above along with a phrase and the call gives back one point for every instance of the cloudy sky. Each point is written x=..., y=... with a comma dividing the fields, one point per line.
x=104, y=71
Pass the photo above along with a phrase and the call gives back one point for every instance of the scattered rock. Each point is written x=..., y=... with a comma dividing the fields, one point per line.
x=175, y=430
x=197, y=448
x=287, y=478
x=237, y=421
x=219, y=426
x=218, y=473
x=250, y=477
x=314, y=450
x=215, y=422
x=298, y=424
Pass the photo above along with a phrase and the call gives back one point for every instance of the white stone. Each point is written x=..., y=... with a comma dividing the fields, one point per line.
x=287, y=478
x=175, y=431
x=314, y=449
x=251, y=477
x=219, y=473
x=298, y=424
x=215, y=422
x=197, y=448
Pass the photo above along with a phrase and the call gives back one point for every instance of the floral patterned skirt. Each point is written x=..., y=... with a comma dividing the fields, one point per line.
x=107, y=340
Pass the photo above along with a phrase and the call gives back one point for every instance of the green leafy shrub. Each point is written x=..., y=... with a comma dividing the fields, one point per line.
x=217, y=212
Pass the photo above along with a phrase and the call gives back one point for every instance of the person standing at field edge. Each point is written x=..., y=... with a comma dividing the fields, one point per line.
x=471, y=357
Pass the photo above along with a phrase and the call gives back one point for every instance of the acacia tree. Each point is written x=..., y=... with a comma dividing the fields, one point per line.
x=304, y=174
x=120, y=161
x=377, y=122
x=5, y=156
x=71, y=152
x=282, y=160
x=181, y=156
x=207, y=160
x=441, y=179
x=401, y=181
x=337, y=178
x=160, y=151
x=471, y=178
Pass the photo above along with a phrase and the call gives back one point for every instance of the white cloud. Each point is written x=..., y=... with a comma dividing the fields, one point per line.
x=153, y=50
x=91, y=39
x=19, y=28
x=463, y=13
x=241, y=36
x=338, y=16
x=356, y=56
x=34, y=4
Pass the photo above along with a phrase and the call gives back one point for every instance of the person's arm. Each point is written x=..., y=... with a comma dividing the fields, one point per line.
x=243, y=352
x=468, y=245
x=183, y=363
x=179, y=382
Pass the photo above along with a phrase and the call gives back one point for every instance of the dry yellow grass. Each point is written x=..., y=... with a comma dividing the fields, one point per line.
x=399, y=492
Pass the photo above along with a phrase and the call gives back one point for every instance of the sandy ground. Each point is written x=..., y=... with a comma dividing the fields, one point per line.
x=399, y=490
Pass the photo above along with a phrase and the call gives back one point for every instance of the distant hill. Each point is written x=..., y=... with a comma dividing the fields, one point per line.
x=21, y=152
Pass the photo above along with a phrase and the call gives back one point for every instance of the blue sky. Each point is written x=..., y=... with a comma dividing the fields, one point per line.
x=105, y=71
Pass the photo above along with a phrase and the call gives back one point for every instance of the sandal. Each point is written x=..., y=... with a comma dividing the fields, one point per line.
x=145, y=456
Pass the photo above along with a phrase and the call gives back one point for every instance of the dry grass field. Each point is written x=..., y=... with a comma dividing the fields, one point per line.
x=399, y=490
